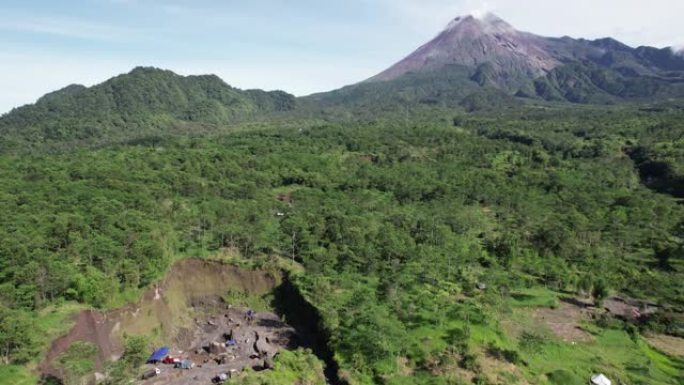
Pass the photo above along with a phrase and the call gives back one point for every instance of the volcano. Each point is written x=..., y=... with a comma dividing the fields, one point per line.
x=507, y=53
x=487, y=52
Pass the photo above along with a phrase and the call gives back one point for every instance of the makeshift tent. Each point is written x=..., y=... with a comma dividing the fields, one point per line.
x=158, y=355
x=600, y=380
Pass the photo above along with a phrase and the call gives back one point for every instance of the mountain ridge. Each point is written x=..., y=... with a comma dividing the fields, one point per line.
x=489, y=52
x=483, y=59
x=143, y=99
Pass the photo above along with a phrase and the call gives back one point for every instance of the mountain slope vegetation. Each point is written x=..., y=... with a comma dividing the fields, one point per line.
x=396, y=223
x=459, y=220
x=143, y=102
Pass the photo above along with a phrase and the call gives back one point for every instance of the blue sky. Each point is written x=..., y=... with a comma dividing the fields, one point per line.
x=301, y=46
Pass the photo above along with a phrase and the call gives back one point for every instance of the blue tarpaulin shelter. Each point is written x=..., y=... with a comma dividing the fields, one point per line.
x=158, y=355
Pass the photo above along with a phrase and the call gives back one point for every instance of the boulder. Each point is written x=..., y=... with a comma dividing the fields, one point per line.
x=99, y=378
x=224, y=359
x=242, y=335
x=217, y=348
x=263, y=348
x=268, y=363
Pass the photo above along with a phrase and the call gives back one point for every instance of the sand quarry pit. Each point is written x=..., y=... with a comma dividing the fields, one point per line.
x=186, y=312
x=223, y=341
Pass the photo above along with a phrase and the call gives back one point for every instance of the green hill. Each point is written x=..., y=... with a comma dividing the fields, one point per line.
x=144, y=101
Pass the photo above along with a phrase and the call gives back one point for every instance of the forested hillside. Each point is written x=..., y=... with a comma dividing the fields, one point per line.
x=496, y=208
x=142, y=103
x=399, y=222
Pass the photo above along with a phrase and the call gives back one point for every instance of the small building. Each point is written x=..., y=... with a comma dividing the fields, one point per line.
x=600, y=379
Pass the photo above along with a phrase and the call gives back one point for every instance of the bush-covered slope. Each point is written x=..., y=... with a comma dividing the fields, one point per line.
x=445, y=87
x=396, y=225
x=589, y=83
x=146, y=100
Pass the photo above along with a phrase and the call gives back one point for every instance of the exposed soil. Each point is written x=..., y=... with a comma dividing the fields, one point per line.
x=285, y=197
x=668, y=344
x=90, y=326
x=165, y=311
x=629, y=308
x=565, y=321
x=253, y=343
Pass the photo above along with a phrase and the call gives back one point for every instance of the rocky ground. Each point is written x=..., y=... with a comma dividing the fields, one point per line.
x=206, y=344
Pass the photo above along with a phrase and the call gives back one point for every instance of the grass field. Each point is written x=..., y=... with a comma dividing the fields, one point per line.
x=611, y=351
x=16, y=375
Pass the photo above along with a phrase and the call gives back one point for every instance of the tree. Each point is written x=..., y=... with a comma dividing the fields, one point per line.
x=665, y=252
x=78, y=362
x=600, y=291
x=128, y=366
x=17, y=344
x=585, y=284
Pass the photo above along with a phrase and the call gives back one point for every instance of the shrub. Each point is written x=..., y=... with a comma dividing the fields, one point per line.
x=502, y=354
x=564, y=377
x=469, y=362
x=532, y=342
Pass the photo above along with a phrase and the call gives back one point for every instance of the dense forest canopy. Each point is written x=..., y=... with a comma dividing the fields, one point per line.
x=498, y=207
x=141, y=103
x=380, y=212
